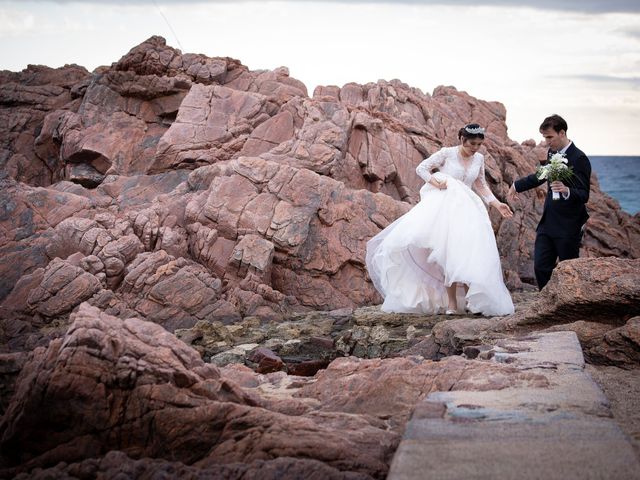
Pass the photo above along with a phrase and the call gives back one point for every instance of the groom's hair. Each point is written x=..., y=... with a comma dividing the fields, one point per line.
x=554, y=121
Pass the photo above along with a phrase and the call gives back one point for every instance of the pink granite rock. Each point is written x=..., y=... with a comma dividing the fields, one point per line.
x=601, y=289
x=390, y=388
x=175, y=293
x=191, y=192
x=266, y=360
x=605, y=344
x=154, y=57
x=212, y=125
x=129, y=385
x=208, y=161
x=62, y=287
x=26, y=98
x=269, y=134
x=620, y=346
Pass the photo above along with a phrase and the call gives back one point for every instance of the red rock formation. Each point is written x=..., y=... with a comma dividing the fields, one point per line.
x=26, y=99
x=274, y=194
x=174, y=191
x=129, y=385
x=620, y=346
x=604, y=344
x=600, y=289
x=390, y=388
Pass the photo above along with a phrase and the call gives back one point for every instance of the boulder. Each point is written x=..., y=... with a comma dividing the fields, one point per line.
x=595, y=289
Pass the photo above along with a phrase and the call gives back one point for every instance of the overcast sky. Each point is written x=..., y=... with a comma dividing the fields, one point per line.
x=580, y=59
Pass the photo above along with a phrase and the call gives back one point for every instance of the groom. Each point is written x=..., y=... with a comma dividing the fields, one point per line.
x=560, y=229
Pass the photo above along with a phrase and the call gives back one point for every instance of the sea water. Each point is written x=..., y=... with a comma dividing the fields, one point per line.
x=620, y=178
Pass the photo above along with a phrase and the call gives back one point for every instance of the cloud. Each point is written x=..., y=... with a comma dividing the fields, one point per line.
x=633, y=32
x=582, y=6
x=16, y=22
x=633, y=82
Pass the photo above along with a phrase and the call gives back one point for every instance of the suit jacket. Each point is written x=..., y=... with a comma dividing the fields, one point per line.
x=564, y=218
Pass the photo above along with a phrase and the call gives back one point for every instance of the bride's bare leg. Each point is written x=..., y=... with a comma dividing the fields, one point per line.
x=451, y=295
x=466, y=290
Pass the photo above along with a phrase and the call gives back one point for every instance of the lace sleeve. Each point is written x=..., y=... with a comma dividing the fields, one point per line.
x=427, y=165
x=481, y=187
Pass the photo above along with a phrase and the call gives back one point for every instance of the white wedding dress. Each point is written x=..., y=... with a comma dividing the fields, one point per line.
x=447, y=237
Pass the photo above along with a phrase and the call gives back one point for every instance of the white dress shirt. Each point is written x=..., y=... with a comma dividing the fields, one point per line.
x=564, y=151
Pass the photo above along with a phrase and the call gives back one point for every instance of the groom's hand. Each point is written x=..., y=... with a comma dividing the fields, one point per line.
x=560, y=187
x=512, y=194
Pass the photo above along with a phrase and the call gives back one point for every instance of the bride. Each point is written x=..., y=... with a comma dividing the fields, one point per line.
x=443, y=251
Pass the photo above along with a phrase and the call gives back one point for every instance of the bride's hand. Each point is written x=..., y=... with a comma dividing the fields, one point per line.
x=503, y=208
x=440, y=185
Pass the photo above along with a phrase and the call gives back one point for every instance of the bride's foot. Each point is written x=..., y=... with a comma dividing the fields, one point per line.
x=452, y=299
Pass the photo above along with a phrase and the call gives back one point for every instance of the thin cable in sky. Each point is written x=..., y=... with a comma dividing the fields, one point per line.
x=168, y=24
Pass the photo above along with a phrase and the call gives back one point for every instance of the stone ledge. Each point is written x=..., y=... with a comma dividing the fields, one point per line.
x=557, y=429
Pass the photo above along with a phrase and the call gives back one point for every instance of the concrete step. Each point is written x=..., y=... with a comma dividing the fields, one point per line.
x=559, y=428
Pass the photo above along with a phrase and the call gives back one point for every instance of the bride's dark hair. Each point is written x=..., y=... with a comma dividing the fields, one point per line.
x=472, y=130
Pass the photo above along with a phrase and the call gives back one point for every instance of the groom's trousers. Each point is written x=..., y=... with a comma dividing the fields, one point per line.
x=548, y=250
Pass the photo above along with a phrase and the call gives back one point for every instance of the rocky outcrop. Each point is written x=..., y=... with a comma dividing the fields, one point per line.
x=272, y=192
x=604, y=345
x=302, y=344
x=399, y=383
x=26, y=99
x=596, y=289
x=253, y=265
x=129, y=385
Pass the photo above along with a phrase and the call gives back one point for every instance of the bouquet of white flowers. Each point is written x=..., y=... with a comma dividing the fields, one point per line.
x=556, y=169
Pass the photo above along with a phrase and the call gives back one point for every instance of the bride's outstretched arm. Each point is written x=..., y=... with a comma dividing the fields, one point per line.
x=482, y=189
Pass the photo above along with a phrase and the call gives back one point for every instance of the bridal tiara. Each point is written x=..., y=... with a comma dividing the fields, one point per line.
x=474, y=130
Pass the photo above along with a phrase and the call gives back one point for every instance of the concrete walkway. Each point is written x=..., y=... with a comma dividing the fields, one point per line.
x=560, y=431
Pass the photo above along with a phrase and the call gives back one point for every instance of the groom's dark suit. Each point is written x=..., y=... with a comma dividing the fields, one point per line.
x=560, y=228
